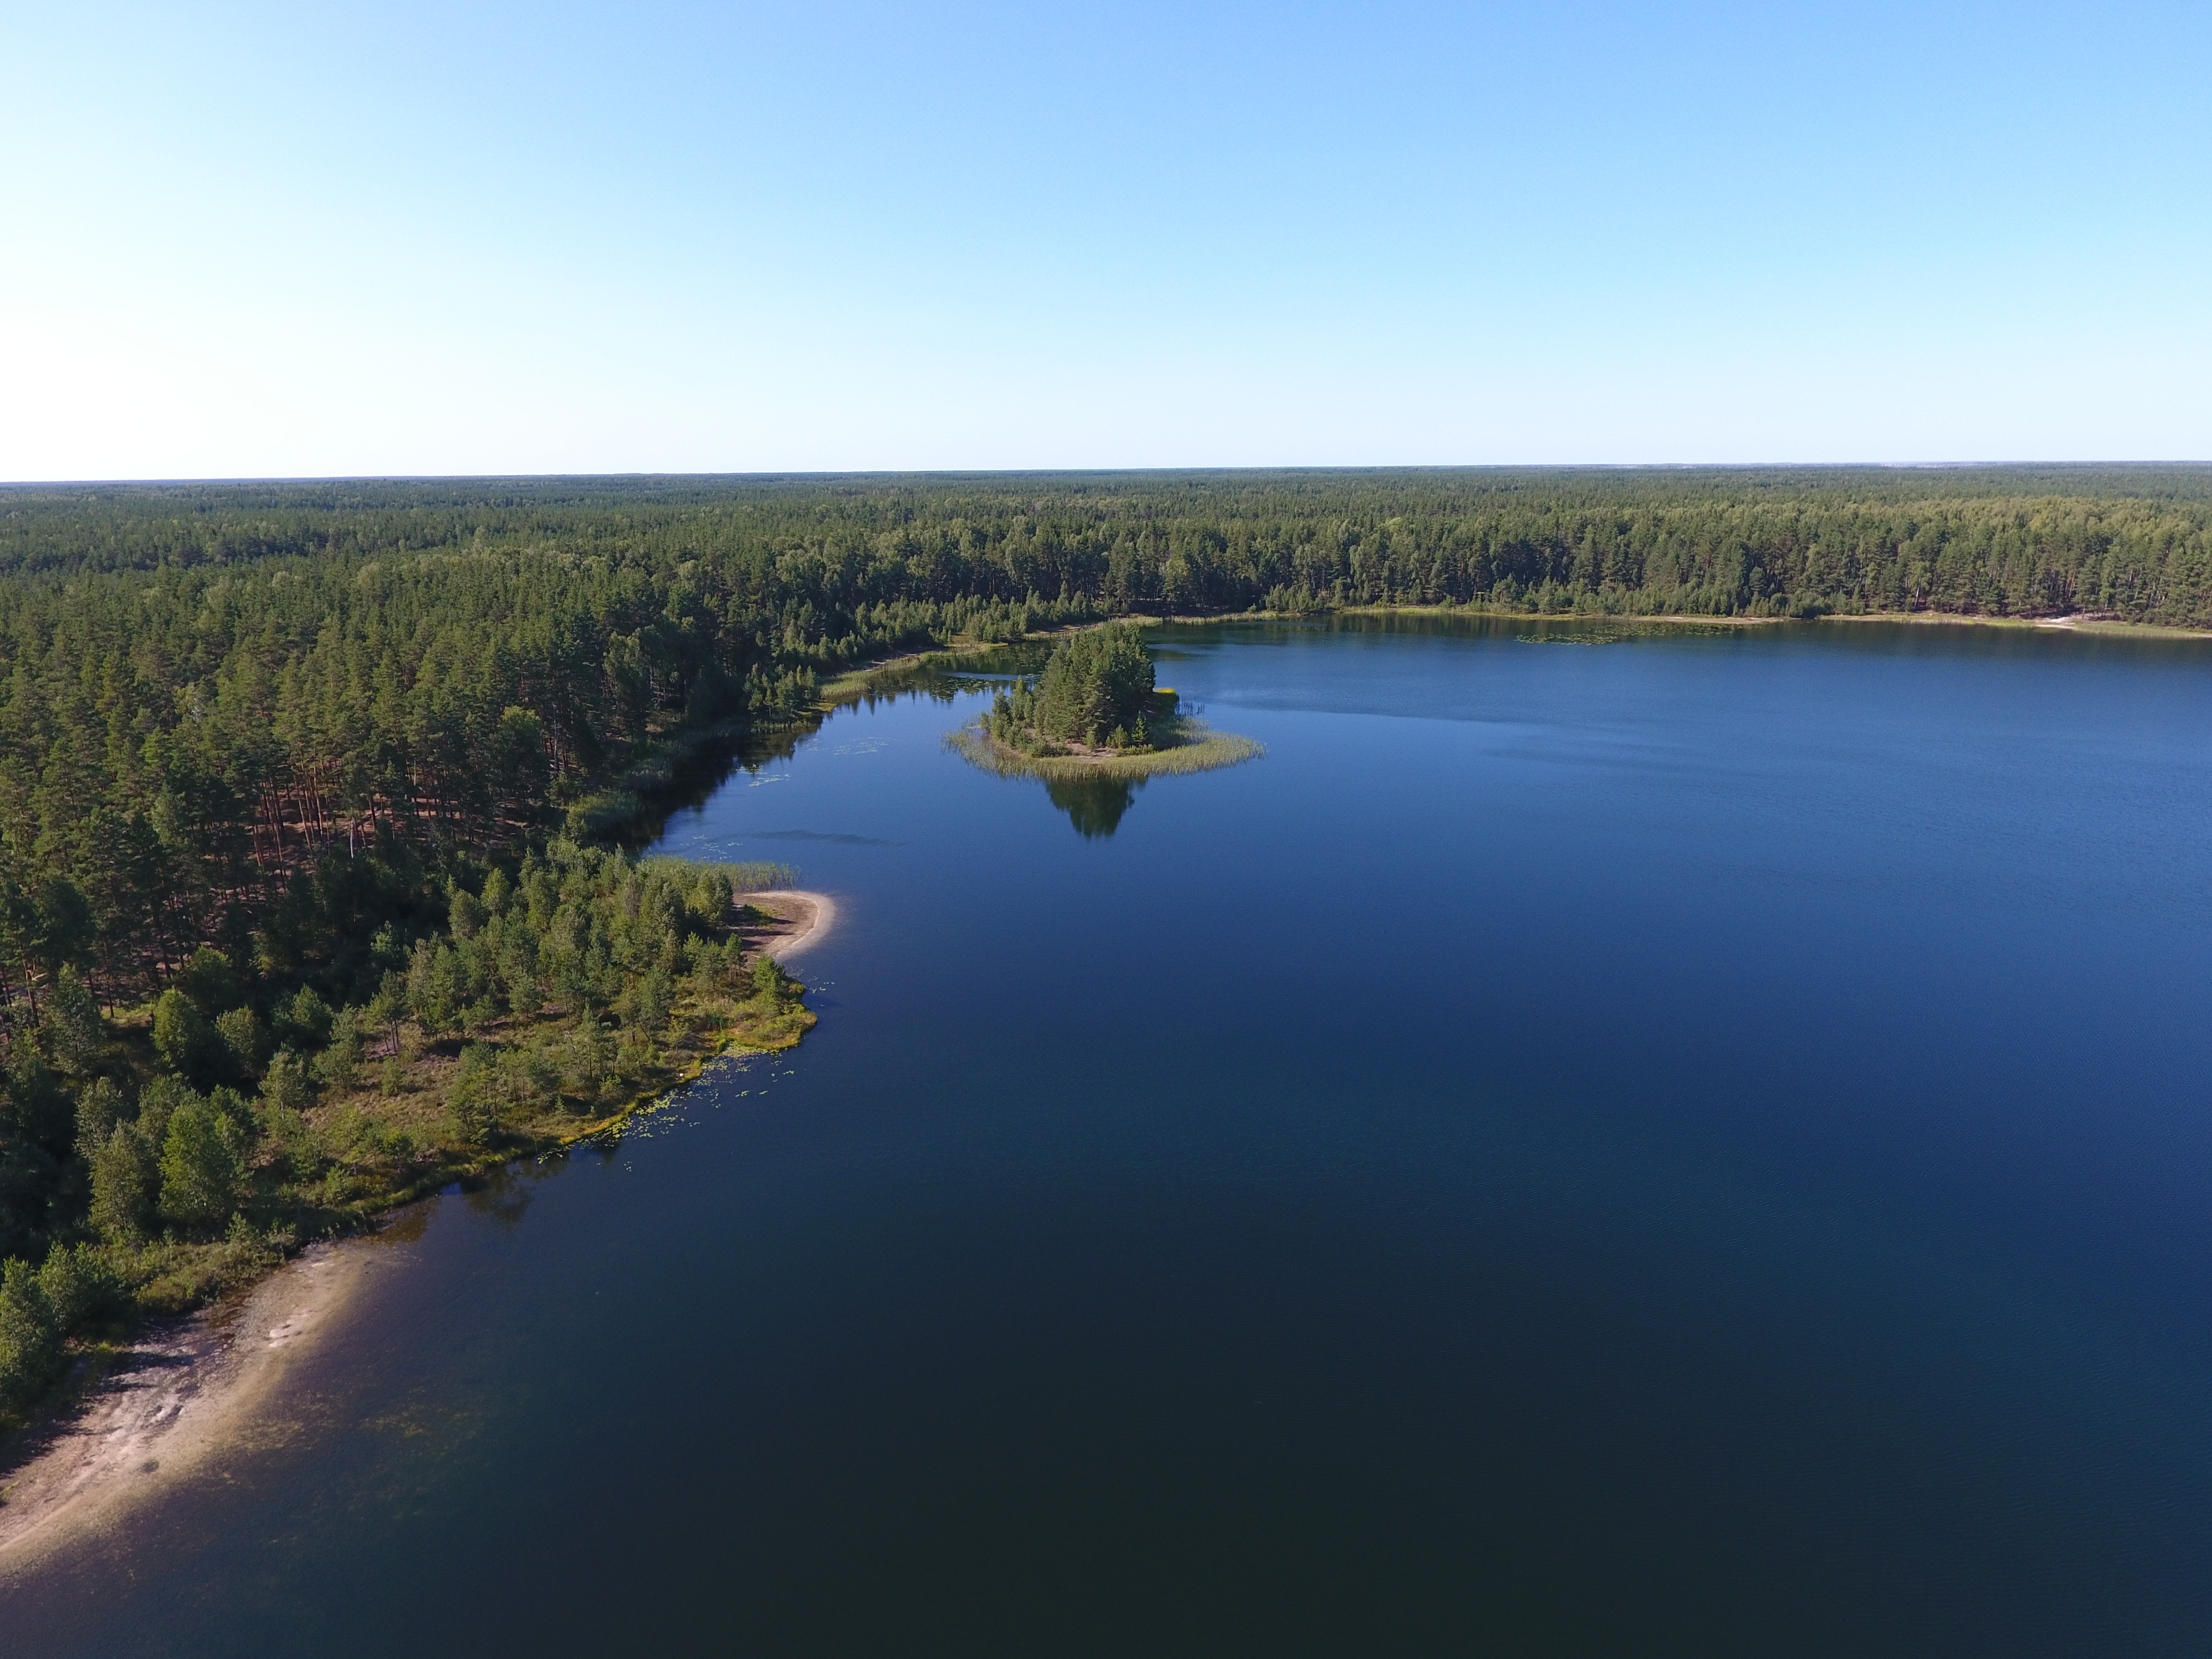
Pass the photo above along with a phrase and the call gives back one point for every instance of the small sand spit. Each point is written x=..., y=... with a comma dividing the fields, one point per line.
x=181, y=1394
x=802, y=920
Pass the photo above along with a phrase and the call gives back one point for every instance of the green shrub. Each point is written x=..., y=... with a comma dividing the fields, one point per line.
x=98, y=1109
x=30, y=1339
x=465, y=913
x=588, y=1059
x=474, y=1097
x=651, y=999
x=436, y=992
x=245, y=1043
x=81, y=1286
x=183, y=1038
x=209, y=982
x=124, y=1184
x=768, y=978
x=285, y=1093
x=201, y=1165
x=336, y=1066
x=34, y=1107
x=304, y=1023
x=284, y=1085
x=532, y=1077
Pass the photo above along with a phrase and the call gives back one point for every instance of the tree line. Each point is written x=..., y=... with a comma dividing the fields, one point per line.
x=259, y=743
x=158, y=1157
x=2127, y=541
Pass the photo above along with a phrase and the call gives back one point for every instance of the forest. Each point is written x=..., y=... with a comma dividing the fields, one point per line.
x=313, y=797
x=815, y=552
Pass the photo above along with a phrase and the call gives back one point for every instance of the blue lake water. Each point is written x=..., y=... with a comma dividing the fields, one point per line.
x=1696, y=1143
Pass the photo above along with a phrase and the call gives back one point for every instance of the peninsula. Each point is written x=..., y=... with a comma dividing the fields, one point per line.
x=449, y=1098
x=217, y=1141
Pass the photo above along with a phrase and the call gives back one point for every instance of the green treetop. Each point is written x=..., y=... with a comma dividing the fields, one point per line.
x=1095, y=685
x=1096, y=688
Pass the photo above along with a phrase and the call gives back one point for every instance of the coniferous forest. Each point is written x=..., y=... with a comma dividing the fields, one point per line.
x=309, y=794
x=1097, y=688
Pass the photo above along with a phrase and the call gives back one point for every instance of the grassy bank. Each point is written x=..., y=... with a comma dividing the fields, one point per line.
x=909, y=671
x=1197, y=749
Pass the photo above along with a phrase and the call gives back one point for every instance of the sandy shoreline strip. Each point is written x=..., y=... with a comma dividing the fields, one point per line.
x=181, y=1394
x=202, y=1385
x=803, y=920
x=2073, y=622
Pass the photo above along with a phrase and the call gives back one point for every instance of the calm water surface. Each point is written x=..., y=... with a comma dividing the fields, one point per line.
x=1694, y=1144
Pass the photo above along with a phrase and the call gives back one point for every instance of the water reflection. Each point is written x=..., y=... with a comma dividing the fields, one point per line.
x=503, y=1194
x=1094, y=805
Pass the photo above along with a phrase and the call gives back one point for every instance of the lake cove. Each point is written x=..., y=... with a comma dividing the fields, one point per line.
x=1688, y=1144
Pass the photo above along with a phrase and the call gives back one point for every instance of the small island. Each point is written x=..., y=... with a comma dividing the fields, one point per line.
x=1096, y=712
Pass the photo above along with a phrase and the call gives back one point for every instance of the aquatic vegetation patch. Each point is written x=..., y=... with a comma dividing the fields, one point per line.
x=1095, y=712
x=1198, y=749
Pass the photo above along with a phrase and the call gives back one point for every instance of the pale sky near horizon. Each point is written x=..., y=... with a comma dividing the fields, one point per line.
x=263, y=241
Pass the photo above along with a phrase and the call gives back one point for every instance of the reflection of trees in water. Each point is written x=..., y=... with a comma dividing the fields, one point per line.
x=1094, y=805
x=502, y=1194
x=694, y=777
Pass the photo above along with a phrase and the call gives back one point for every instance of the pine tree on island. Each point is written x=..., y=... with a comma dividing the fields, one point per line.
x=1097, y=692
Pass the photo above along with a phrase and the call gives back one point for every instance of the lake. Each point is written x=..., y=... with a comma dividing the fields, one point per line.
x=1670, y=1142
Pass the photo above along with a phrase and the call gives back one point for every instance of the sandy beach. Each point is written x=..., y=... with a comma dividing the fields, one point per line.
x=184, y=1392
x=801, y=920
x=192, y=1388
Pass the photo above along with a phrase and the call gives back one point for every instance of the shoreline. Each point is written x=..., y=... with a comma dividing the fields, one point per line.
x=1207, y=750
x=858, y=683
x=185, y=1390
x=2071, y=623
x=864, y=680
x=818, y=916
x=181, y=1394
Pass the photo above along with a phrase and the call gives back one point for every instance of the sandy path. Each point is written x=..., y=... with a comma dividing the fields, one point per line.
x=182, y=1394
x=804, y=920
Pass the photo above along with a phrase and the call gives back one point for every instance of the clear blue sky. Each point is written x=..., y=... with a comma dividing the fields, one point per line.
x=462, y=237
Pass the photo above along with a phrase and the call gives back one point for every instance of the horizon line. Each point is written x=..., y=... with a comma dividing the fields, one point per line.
x=784, y=473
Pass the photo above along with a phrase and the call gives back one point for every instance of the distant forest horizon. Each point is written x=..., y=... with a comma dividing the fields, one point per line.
x=2123, y=539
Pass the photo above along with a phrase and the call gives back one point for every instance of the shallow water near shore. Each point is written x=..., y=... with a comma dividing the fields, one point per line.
x=1603, y=1140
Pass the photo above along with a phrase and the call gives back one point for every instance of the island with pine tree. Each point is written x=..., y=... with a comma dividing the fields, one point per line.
x=1096, y=711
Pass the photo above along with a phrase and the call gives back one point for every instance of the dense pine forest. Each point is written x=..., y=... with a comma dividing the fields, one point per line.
x=2016, y=541
x=274, y=758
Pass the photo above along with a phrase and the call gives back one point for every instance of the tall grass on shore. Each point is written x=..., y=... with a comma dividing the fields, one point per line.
x=1199, y=750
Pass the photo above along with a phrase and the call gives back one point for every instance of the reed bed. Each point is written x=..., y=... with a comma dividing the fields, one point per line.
x=1198, y=749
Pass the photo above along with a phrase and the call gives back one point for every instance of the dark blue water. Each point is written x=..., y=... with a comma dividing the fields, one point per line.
x=1696, y=1145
